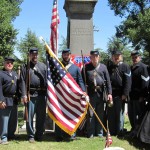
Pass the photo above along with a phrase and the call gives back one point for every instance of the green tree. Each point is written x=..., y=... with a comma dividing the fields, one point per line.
x=135, y=28
x=9, y=9
x=115, y=43
x=31, y=40
x=62, y=46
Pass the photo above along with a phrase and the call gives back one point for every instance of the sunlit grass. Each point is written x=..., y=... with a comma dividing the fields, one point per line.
x=82, y=143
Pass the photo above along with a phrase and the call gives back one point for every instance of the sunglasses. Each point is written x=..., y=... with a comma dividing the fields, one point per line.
x=9, y=62
x=134, y=57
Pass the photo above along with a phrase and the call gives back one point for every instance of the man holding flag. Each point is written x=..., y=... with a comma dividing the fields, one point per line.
x=67, y=103
x=76, y=74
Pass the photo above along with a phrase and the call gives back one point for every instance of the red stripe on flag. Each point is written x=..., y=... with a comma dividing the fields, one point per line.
x=59, y=109
x=62, y=124
x=54, y=27
x=68, y=101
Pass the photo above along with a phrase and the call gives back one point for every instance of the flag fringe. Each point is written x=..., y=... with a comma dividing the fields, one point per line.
x=62, y=127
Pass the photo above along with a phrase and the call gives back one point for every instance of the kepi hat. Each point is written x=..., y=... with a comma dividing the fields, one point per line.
x=33, y=50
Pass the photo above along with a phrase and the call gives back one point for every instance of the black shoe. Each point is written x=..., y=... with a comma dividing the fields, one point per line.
x=72, y=138
x=120, y=134
x=38, y=139
x=10, y=138
x=90, y=136
x=59, y=139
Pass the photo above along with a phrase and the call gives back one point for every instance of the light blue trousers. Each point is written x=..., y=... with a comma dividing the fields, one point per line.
x=36, y=106
x=8, y=122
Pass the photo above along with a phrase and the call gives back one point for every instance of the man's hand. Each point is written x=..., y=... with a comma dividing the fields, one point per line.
x=124, y=97
x=110, y=100
x=141, y=99
x=109, y=97
x=86, y=97
x=2, y=105
x=24, y=99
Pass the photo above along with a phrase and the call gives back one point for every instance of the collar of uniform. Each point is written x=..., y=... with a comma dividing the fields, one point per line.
x=32, y=65
x=120, y=63
x=66, y=63
x=8, y=72
x=96, y=65
x=137, y=65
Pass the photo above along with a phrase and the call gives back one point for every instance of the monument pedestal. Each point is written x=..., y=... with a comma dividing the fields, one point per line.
x=80, y=25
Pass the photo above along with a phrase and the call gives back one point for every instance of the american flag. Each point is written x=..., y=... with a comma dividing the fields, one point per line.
x=108, y=140
x=54, y=27
x=66, y=106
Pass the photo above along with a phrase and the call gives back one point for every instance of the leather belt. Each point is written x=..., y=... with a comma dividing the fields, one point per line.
x=12, y=96
x=37, y=89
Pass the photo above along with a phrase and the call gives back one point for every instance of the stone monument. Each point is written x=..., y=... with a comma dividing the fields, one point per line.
x=80, y=25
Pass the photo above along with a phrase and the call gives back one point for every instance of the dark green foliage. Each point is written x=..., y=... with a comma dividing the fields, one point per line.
x=135, y=28
x=9, y=9
x=31, y=40
x=117, y=44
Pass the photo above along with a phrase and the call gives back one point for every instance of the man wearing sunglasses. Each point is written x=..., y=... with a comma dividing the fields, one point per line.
x=8, y=108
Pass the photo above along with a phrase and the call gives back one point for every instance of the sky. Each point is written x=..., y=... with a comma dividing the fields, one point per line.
x=36, y=16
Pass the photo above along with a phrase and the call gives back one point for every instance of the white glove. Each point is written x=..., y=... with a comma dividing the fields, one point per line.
x=87, y=99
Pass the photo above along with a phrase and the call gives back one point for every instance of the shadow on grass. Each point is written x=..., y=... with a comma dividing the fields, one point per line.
x=136, y=143
x=47, y=137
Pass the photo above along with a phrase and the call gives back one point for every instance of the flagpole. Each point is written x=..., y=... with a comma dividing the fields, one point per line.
x=57, y=30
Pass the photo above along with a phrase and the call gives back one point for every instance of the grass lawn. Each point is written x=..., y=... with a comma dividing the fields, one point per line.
x=82, y=143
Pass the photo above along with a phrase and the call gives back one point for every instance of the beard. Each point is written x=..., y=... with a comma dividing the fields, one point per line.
x=65, y=62
x=34, y=60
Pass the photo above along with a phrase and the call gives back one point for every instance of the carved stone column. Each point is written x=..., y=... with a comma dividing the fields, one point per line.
x=80, y=25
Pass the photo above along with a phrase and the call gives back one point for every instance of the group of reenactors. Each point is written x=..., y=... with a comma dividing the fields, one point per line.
x=109, y=88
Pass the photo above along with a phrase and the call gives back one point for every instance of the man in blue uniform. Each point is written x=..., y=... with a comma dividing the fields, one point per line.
x=76, y=74
x=36, y=71
x=96, y=75
x=8, y=110
x=144, y=129
x=120, y=76
x=139, y=91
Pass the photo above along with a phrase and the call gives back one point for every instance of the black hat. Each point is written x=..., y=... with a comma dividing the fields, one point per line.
x=66, y=50
x=116, y=52
x=94, y=52
x=9, y=59
x=33, y=50
x=135, y=53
